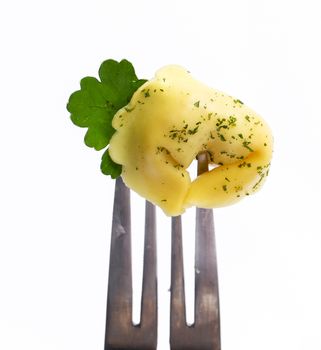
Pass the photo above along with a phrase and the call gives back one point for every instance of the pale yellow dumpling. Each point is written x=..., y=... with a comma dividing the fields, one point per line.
x=169, y=120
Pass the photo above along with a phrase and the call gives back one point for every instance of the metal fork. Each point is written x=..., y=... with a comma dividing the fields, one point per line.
x=204, y=334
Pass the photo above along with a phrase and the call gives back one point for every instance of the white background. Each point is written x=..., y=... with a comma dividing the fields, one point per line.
x=56, y=206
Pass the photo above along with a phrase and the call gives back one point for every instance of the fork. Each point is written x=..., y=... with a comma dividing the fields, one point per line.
x=204, y=334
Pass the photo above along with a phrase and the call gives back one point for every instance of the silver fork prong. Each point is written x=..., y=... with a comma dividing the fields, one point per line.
x=119, y=300
x=178, y=311
x=149, y=289
x=204, y=334
x=207, y=315
x=120, y=331
x=207, y=312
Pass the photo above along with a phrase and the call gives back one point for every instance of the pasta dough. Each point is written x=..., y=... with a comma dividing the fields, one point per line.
x=169, y=120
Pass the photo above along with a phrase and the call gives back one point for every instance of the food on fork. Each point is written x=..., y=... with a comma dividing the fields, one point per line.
x=158, y=127
x=172, y=118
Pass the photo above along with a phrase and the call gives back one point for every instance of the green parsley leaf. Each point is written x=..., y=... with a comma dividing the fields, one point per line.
x=109, y=167
x=96, y=103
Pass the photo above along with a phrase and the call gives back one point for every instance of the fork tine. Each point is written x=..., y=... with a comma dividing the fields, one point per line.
x=178, y=312
x=206, y=281
x=204, y=334
x=206, y=278
x=119, y=300
x=120, y=331
x=148, y=319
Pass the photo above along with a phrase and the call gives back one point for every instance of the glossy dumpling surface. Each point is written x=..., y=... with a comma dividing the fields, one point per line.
x=172, y=118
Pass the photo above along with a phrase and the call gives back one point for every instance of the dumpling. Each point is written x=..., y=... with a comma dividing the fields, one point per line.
x=172, y=118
